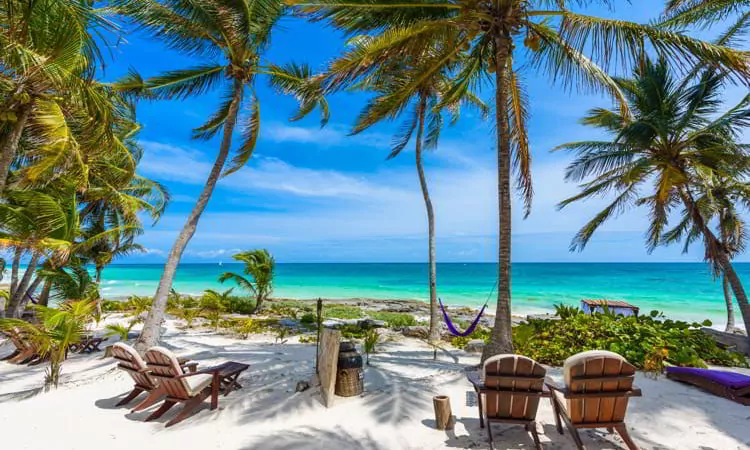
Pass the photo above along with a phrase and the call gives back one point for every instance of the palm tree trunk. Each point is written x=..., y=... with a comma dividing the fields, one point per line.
x=501, y=339
x=150, y=334
x=9, y=145
x=14, y=306
x=730, y=305
x=28, y=294
x=716, y=253
x=44, y=296
x=14, y=271
x=434, y=332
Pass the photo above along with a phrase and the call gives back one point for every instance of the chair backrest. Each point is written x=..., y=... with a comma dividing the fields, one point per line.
x=513, y=384
x=132, y=363
x=165, y=368
x=597, y=377
x=20, y=339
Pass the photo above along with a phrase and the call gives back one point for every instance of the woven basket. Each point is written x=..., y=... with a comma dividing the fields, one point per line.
x=350, y=382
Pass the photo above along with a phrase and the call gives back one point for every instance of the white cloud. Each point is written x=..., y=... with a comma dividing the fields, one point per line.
x=332, y=135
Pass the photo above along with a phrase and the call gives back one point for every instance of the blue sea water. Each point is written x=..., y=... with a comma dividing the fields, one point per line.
x=681, y=291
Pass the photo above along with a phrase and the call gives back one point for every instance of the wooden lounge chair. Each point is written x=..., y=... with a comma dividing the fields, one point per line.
x=132, y=363
x=189, y=388
x=730, y=385
x=25, y=351
x=598, y=386
x=510, y=393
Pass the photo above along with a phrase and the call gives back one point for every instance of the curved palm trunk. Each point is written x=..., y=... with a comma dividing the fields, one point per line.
x=9, y=145
x=434, y=332
x=715, y=252
x=729, y=302
x=150, y=334
x=15, y=306
x=501, y=339
x=6, y=311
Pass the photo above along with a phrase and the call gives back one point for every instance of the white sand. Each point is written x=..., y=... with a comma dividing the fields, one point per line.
x=394, y=413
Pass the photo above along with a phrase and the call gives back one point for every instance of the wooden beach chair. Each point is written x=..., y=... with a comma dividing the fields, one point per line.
x=132, y=363
x=730, y=385
x=25, y=351
x=190, y=388
x=509, y=393
x=598, y=386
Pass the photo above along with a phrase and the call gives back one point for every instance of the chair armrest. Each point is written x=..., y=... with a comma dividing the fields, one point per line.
x=475, y=379
x=191, y=366
x=211, y=370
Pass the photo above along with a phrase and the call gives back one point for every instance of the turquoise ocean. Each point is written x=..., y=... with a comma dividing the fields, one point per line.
x=681, y=290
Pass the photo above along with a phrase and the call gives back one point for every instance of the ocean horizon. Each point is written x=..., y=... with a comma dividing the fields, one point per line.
x=685, y=291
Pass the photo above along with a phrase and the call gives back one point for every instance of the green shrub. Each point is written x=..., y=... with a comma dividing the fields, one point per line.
x=236, y=304
x=394, y=320
x=113, y=306
x=480, y=332
x=308, y=339
x=352, y=331
x=308, y=319
x=646, y=341
x=342, y=312
x=246, y=327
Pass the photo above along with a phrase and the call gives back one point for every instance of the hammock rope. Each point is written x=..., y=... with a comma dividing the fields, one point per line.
x=452, y=328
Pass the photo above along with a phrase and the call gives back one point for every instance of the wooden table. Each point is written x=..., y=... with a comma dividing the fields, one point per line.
x=229, y=373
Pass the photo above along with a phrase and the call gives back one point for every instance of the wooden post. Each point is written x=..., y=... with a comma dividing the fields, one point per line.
x=327, y=363
x=443, y=413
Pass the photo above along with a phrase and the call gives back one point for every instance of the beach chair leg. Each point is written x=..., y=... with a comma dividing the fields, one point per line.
x=168, y=404
x=481, y=409
x=622, y=430
x=153, y=398
x=188, y=409
x=576, y=438
x=556, y=412
x=130, y=397
x=531, y=428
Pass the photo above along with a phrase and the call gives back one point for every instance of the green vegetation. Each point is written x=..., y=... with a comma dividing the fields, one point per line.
x=647, y=341
x=342, y=312
x=394, y=320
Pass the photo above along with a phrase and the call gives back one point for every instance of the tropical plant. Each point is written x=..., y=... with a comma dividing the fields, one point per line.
x=213, y=304
x=705, y=13
x=568, y=46
x=57, y=329
x=122, y=331
x=676, y=142
x=259, y=266
x=423, y=105
x=371, y=341
x=240, y=33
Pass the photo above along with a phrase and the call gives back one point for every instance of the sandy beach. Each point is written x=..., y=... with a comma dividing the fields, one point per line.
x=395, y=412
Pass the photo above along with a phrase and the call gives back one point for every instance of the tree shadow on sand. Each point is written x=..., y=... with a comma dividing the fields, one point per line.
x=311, y=438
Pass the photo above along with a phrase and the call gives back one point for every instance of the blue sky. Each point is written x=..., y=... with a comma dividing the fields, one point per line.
x=319, y=195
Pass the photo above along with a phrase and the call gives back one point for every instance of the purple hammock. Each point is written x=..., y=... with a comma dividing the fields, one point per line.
x=452, y=328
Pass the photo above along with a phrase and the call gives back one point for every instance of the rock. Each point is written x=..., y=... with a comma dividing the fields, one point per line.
x=370, y=323
x=415, y=331
x=302, y=386
x=474, y=346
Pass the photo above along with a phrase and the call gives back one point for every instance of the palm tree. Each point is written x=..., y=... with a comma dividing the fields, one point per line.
x=675, y=143
x=259, y=265
x=205, y=29
x=683, y=13
x=493, y=32
x=49, y=59
x=368, y=68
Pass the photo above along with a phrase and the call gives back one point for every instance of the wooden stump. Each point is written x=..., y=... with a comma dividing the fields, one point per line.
x=327, y=362
x=443, y=414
